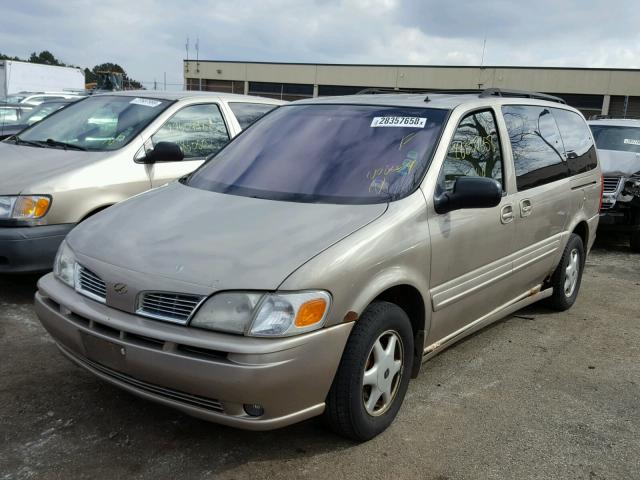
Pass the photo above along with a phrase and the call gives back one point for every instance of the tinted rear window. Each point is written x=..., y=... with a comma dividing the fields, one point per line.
x=327, y=153
x=576, y=137
x=247, y=113
x=538, y=152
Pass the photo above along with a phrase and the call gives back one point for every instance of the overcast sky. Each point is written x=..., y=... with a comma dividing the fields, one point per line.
x=148, y=37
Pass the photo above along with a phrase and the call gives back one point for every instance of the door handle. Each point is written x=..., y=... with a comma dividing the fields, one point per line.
x=525, y=207
x=506, y=214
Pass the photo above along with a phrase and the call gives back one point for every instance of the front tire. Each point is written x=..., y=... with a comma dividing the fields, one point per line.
x=567, y=277
x=373, y=375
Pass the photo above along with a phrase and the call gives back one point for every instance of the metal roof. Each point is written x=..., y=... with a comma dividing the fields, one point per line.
x=616, y=122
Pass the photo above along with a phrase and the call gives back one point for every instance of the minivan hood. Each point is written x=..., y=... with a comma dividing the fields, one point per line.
x=22, y=166
x=216, y=240
x=616, y=163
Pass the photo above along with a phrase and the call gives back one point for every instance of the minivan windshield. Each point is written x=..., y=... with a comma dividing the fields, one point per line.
x=98, y=123
x=610, y=137
x=327, y=153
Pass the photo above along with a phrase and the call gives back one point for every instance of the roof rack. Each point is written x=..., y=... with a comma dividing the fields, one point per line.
x=503, y=92
x=487, y=92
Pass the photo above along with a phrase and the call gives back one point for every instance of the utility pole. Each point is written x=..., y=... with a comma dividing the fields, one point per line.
x=165, y=81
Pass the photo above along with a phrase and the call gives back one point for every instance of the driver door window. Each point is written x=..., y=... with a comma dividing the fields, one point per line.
x=199, y=130
x=474, y=151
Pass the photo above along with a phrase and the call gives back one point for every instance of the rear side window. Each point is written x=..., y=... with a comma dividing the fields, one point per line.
x=474, y=151
x=247, y=113
x=578, y=144
x=538, y=153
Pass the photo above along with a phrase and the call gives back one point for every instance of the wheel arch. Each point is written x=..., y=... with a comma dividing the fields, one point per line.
x=411, y=301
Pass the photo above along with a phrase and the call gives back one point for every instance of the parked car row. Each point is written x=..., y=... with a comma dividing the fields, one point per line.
x=310, y=265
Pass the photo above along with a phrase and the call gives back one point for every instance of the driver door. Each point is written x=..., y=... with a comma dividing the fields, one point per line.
x=470, y=248
x=199, y=130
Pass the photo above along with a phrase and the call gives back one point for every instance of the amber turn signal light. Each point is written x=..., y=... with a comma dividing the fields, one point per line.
x=31, y=207
x=311, y=312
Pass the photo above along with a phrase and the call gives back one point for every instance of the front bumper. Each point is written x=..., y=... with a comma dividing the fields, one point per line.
x=205, y=374
x=30, y=249
x=620, y=220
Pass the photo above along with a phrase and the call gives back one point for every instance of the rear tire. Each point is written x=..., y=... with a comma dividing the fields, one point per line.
x=635, y=241
x=362, y=406
x=567, y=277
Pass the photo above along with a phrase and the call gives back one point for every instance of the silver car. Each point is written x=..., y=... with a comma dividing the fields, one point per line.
x=313, y=264
x=99, y=151
x=618, y=142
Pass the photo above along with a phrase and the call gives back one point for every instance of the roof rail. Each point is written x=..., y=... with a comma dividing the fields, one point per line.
x=380, y=91
x=503, y=92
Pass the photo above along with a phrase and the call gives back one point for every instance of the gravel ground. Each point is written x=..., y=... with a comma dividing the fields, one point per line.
x=538, y=395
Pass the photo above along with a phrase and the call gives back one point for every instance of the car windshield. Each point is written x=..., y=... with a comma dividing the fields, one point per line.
x=41, y=111
x=327, y=154
x=100, y=123
x=623, y=139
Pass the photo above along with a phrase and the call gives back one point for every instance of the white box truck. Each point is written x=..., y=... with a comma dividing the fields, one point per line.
x=33, y=77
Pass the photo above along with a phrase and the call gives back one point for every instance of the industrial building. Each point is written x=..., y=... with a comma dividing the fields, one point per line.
x=595, y=91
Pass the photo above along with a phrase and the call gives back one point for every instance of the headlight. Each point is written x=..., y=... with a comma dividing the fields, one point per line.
x=632, y=186
x=64, y=266
x=24, y=207
x=264, y=314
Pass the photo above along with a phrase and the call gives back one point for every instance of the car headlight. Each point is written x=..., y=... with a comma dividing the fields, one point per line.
x=632, y=186
x=64, y=266
x=24, y=207
x=264, y=314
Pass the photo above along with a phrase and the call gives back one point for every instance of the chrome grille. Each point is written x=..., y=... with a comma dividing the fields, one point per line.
x=611, y=184
x=171, y=307
x=90, y=284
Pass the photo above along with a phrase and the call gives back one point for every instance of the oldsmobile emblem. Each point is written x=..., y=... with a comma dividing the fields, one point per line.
x=121, y=288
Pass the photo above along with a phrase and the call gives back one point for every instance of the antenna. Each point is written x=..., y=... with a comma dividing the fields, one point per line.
x=187, y=48
x=198, y=54
x=484, y=48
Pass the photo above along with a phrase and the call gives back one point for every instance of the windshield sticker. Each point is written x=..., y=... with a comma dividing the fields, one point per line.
x=411, y=122
x=631, y=141
x=147, y=102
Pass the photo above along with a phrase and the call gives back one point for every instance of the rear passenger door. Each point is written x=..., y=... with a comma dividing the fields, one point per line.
x=470, y=248
x=200, y=130
x=542, y=202
x=582, y=161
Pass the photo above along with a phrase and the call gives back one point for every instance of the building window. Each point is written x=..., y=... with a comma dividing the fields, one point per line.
x=281, y=91
x=589, y=105
x=336, y=90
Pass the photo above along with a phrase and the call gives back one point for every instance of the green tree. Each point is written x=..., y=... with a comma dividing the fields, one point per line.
x=45, y=57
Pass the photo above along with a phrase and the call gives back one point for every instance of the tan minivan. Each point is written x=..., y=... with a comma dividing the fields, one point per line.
x=315, y=262
x=99, y=151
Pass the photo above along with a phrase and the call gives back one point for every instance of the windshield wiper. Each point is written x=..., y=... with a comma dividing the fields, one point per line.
x=20, y=141
x=56, y=143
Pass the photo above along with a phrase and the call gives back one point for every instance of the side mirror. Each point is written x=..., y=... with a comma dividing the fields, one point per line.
x=470, y=192
x=164, y=152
